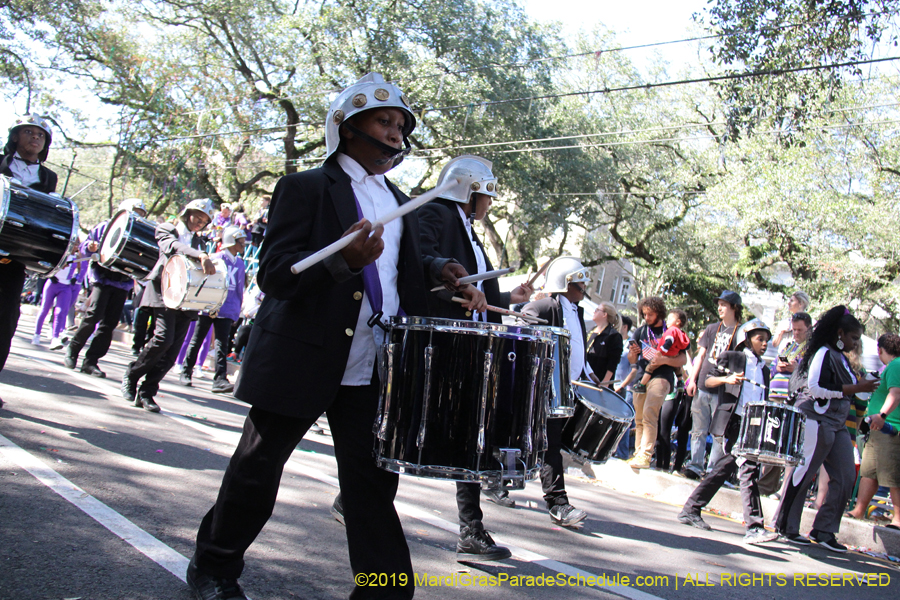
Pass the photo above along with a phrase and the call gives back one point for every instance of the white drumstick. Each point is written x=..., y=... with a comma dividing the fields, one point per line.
x=474, y=278
x=345, y=241
x=730, y=372
x=504, y=311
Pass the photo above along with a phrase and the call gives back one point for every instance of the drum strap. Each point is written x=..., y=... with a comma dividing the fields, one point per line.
x=371, y=281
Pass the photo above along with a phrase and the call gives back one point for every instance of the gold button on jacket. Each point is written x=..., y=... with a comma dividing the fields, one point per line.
x=357, y=295
x=349, y=332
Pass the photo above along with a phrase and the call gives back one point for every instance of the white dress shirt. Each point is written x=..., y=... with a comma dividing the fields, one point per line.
x=752, y=372
x=577, y=363
x=479, y=260
x=24, y=172
x=376, y=200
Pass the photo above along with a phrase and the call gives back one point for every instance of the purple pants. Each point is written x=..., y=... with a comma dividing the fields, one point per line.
x=204, y=349
x=64, y=296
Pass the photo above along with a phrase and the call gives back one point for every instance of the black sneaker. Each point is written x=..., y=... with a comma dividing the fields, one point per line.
x=337, y=510
x=694, y=521
x=692, y=473
x=185, y=379
x=567, y=515
x=129, y=389
x=476, y=544
x=222, y=386
x=499, y=497
x=147, y=404
x=92, y=369
x=827, y=540
x=795, y=538
x=70, y=360
x=206, y=587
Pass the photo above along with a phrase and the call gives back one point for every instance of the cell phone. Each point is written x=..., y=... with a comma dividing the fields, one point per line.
x=782, y=359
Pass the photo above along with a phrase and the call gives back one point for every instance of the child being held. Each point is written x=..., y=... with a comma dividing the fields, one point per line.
x=673, y=341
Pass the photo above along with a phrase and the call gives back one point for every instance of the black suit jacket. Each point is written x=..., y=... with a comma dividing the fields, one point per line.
x=550, y=310
x=167, y=238
x=444, y=235
x=47, y=178
x=301, y=337
x=729, y=395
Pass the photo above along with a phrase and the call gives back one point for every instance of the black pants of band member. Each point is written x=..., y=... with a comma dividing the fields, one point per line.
x=103, y=310
x=143, y=327
x=553, y=482
x=222, y=327
x=12, y=280
x=250, y=485
x=159, y=354
x=823, y=444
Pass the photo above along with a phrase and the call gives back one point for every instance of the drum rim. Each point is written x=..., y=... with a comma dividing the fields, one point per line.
x=208, y=307
x=788, y=407
x=4, y=199
x=126, y=231
x=590, y=405
x=403, y=467
x=467, y=327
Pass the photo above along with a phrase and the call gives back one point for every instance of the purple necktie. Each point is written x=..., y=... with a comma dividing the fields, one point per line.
x=371, y=281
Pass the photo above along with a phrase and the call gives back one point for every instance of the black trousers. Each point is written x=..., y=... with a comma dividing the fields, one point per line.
x=552, y=481
x=673, y=413
x=468, y=503
x=143, y=327
x=250, y=485
x=160, y=353
x=12, y=281
x=104, y=308
x=242, y=337
x=724, y=469
x=222, y=327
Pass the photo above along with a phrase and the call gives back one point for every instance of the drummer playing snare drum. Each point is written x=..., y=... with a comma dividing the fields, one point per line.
x=741, y=376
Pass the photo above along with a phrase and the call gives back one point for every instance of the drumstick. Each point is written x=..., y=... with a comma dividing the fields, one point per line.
x=730, y=372
x=504, y=311
x=200, y=287
x=345, y=241
x=474, y=278
x=538, y=274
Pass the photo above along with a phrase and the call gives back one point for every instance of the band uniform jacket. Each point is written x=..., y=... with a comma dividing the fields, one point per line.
x=729, y=395
x=550, y=310
x=47, y=178
x=300, y=341
x=167, y=238
x=444, y=235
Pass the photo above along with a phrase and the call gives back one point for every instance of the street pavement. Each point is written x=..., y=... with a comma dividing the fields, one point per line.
x=101, y=500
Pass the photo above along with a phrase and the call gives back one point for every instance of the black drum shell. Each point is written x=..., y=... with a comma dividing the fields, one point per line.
x=787, y=426
x=135, y=248
x=594, y=431
x=450, y=445
x=36, y=229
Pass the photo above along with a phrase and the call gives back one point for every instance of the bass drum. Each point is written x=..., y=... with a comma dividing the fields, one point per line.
x=771, y=433
x=36, y=229
x=186, y=287
x=129, y=245
x=463, y=400
x=601, y=419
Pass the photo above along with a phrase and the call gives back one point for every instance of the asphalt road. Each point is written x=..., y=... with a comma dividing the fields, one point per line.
x=100, y=500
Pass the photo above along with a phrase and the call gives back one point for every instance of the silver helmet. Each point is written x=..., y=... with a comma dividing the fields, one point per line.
x=231, y=235
x=23, y=121
x=204, y=205
x=371, y=91
x=563, y=271
x=749, y=327
x=474, y=175
x=133, y=204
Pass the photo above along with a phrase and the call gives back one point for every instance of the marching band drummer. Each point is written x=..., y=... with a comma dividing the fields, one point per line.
x=741, y=376
x=109, y=292
x=566, y=281
x=159, y=354
x=312, y=348
x=26, y=148
x=447, y=231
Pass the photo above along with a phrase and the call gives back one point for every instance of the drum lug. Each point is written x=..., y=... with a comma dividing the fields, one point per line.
x=529, y=417
x=4, y=253
x=387, y=391
x=63, y=208
x=420, y=439
x=488, y=361
x=60, y=237
x=45, y=264
x=549, y=368
x=512, y=468
x=14, y=223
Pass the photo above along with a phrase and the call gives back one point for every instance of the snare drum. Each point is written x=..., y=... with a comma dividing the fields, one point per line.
x=463, y=400
x=36, y=229
x=129, y=245
x=186, y=287
x=561, y=396
x=601, y=419
x=771, y=433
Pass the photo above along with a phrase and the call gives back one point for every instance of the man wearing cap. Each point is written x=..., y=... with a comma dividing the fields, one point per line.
x=233, y=244
x=715, y=339
x=26, y=148
x=159, y=354
x=109, y=291
x=312, y=349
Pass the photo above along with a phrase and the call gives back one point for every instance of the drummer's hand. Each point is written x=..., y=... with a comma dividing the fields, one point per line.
x=735, y=378
x=521, y=294
x=364, y=248
x=594, y=378
x=450, y=275
x=618, y=390
x=475, y=297
x=208, y=267
x=93, y=246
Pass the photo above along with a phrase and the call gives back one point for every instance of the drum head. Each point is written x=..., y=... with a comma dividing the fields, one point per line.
x=114, y=237
x=604, y=401
x=175, y=281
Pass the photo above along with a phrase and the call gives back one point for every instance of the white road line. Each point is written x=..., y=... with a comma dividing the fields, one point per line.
x=176, y=564
x=142, y=541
